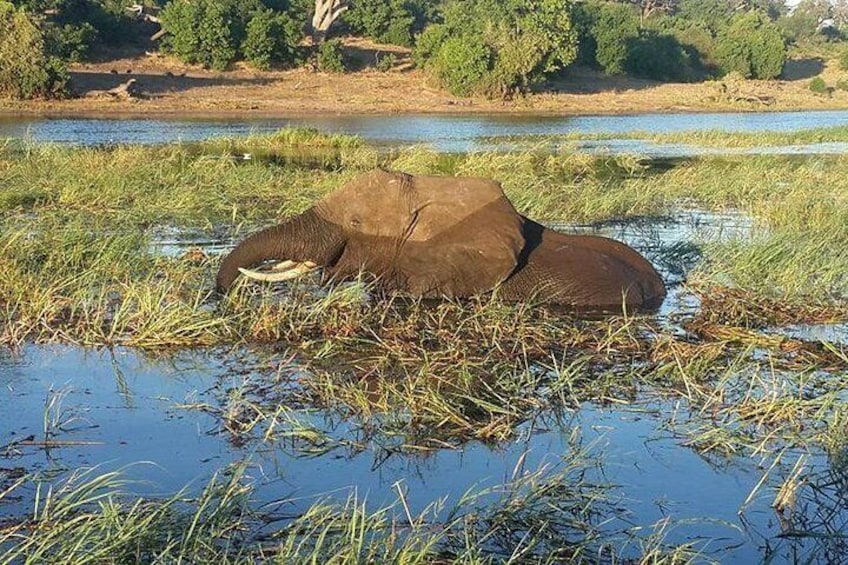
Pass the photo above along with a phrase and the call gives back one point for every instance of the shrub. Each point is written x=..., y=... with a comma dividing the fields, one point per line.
x=26, y=70
x=393, y=21
x=462, y=63
x=818, y=86
x=843, y=60
x=71, y=42
x=386, y=62
x=209, y=32
x=428, y=44
x=752, y=46
x=657, y=56
x=506, y=45
x=270, y=37
x=616, y=28
x=584, y=16
x=331, y=56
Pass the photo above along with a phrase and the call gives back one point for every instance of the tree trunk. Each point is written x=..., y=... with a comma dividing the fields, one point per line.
x=326, y=12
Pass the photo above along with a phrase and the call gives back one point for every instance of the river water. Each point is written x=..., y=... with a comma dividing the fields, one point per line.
x=451, y=133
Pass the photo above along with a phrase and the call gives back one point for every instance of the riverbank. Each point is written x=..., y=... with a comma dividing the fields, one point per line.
x=168, y=88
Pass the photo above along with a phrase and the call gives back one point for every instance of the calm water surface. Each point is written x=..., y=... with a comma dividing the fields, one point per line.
x=444, y=133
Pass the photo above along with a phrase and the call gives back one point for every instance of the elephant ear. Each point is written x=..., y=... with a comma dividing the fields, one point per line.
x=465, y=237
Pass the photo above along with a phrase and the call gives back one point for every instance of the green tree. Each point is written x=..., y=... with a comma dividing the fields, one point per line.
x=752, y=46
x=616, y=28
x=657, y=56
x=392, y=21
x=271, y=37
x=26, y=69
x=463, y=63
x=525, y=40
x=214, y=33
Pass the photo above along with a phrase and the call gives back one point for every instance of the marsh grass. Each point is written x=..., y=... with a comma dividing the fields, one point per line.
x=405, y=375
x=702, y=138
x=554, y=512
x=76, y=267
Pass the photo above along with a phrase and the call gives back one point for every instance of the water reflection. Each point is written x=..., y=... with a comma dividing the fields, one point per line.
x=653, y=477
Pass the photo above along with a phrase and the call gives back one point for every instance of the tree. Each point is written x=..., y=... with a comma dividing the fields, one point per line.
x=616, y=27
x=26, y=69
x=752, y=46
x=326, y=13
x=521, y=42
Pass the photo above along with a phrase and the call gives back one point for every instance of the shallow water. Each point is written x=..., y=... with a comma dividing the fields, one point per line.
x=452, y=133
x=122, y=409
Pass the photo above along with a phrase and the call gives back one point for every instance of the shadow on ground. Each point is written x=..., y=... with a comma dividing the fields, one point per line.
x=800, y=69
x=151, y=84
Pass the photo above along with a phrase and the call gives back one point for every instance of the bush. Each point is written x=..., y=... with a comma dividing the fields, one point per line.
x=71, y=42
x=428, y=44
x=331, y=56
x=507, y=46
x=462, y=63
x=614, y=31
x=26, y=70
x=843, y=60
x=216, y=32
x=393, y=21
x=584, y=16
x=818, y=86
x=657, y=56
x=752, y=46
x=386, y=62
x=270, y=37
x=208, y=32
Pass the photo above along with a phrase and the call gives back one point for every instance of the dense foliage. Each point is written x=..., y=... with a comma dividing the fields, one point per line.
x=752, y=46
x=26, y=69
x=505, y=46
x=495, y=48
x=72, y=28
x=214, y=33
x=394, y=21
x=330, y=58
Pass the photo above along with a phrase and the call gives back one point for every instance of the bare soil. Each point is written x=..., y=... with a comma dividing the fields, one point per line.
x=167, y=87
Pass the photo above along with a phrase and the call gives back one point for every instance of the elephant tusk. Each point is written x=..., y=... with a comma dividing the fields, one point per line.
x=283, y=266
x=284, y=271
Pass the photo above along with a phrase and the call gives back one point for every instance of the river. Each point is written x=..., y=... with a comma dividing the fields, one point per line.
x=451, y=133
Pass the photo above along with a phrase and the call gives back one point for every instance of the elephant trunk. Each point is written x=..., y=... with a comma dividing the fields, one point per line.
x=305, y=237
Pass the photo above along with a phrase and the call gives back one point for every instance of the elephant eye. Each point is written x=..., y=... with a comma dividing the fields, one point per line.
x=355, y=222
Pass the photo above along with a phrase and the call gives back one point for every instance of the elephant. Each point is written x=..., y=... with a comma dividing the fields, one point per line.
x=448, y=237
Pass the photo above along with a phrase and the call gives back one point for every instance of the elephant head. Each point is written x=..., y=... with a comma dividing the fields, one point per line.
x=447, y=237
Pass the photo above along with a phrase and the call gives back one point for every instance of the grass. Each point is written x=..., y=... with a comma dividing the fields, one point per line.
x=696, y=138
x=401, y=375
x=549, y=514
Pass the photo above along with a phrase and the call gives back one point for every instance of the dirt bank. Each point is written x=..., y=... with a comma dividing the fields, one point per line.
x=166, y=87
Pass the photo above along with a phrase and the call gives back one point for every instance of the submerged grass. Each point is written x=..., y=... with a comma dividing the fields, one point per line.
x=551, y=514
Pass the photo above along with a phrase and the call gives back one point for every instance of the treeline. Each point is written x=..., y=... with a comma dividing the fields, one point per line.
x=487, y=47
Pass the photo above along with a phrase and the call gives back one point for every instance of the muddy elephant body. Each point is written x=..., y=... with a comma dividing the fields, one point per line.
x=450, y=237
